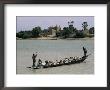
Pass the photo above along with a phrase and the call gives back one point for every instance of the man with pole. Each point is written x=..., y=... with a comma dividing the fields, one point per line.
x=85, y=51
x=34, y=59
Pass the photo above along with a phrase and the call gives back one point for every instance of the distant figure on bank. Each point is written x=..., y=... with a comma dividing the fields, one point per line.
x=85, y=51
x=34, y=59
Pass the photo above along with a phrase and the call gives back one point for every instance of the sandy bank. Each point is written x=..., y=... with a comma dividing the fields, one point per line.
x=49, y=38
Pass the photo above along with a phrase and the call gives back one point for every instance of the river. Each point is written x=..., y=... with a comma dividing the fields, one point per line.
x=54, y=50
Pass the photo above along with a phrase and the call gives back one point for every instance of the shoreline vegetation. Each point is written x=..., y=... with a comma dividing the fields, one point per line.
x=56, y=33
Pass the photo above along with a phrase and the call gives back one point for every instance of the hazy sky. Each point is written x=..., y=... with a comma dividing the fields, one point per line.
x=29, y=22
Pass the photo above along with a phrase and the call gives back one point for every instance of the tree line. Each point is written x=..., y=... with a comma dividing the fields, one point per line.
x=67, y=32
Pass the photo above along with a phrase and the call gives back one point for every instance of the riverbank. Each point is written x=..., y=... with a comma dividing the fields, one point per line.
x=49, y=38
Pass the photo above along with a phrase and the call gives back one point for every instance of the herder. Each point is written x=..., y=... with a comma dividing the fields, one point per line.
x=85, y=51
x=34, y=59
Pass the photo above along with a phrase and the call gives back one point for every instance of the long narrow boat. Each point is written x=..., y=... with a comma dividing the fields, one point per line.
x=79, y=60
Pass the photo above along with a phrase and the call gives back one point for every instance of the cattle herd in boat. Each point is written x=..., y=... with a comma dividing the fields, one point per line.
x=65, y=61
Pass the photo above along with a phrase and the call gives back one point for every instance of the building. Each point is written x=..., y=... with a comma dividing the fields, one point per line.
x=53, y=30
x=86, y=32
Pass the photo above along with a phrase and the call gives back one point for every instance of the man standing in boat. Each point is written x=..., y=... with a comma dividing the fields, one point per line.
x=34, y=59
x=85, y=51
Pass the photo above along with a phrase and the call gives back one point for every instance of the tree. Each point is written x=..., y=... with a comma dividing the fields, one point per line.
x=24, y=34
x=65, y=32
x=84, y=25
x=70, y=23
x=91, y=30
x=79, y=34
x=20, y=34
x=36, y=31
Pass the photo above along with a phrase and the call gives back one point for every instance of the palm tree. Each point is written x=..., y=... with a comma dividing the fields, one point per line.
x=72, y=22
x=84, y=25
